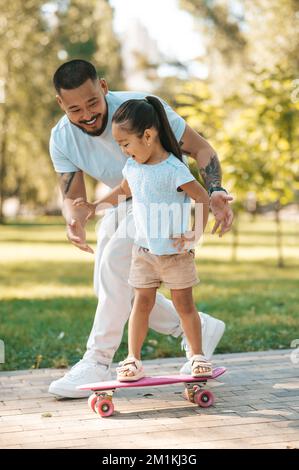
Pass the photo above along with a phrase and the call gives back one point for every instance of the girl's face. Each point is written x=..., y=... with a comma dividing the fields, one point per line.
x=137, y=148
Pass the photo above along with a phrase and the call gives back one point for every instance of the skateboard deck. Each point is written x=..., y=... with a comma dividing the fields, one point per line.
x=101, y=400
x=151, y=381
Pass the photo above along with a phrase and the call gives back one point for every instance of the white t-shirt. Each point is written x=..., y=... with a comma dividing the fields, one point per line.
x=160, y=210
x=100, y=157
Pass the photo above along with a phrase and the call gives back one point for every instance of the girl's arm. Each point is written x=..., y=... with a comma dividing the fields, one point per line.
x=112, y=199
x=200, y=196
x=196, y=192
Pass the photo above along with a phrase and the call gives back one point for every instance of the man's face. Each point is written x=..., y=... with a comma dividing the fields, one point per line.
x=86, y=106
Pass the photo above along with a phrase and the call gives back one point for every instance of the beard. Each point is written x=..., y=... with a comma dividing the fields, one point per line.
x=95, y=132
x=98, y=131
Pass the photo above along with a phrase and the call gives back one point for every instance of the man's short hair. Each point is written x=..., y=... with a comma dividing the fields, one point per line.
x=73, y=74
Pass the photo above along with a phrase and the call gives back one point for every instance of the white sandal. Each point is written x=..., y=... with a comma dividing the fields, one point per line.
x=200, y=362
x=132, y=366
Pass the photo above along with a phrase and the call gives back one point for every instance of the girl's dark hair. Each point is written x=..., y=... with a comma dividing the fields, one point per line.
x=138, y=115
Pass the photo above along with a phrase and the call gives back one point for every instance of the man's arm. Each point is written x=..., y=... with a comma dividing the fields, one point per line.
x=197, y=147
x=72, y=186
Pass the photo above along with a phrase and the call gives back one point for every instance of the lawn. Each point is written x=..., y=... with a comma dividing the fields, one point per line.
x=47, y=300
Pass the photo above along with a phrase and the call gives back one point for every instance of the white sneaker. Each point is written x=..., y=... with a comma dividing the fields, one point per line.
x=81, y=373
x=212, y=331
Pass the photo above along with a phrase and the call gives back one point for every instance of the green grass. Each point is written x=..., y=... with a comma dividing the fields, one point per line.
x=47, y=300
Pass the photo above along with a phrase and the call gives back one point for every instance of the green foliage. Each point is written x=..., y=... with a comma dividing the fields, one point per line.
x=26, y=73
x=220, y=21
x=35, y=40
x=255, y=140
x=258, y=150
x=255, y=108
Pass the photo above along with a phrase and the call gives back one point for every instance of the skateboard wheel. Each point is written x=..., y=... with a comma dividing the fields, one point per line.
x=92, y=402
x=104, y=408
x=204, y=398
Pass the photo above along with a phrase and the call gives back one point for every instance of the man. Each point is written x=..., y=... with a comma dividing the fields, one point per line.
x=82, y=142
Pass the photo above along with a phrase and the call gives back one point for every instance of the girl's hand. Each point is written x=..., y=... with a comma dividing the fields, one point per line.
x=81, y=202
x=185, y=241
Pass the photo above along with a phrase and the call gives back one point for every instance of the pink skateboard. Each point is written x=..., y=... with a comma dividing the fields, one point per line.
x=101, y=400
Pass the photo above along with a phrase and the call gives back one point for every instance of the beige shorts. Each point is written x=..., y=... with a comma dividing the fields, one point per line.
x=176, y=271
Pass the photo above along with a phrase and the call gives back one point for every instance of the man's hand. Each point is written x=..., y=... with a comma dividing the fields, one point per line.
x=81, y=202
x=223, y=213
x=77, y=235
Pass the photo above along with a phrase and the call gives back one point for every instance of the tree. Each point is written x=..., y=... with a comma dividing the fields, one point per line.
x=25, y=72
x=35, y=40
x=242, y=38
x=258, y=146
x=253, y=61
x=255, y=138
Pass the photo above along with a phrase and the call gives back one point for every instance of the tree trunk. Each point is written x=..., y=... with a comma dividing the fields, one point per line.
x=3, y=143
x=2, y=172
x=280, y=261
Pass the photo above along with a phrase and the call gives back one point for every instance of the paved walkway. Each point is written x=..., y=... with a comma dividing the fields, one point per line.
x=257, y=406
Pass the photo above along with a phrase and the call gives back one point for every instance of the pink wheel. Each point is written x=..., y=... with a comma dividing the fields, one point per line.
x=204, y=398
x=104, y=408
x=92, y=402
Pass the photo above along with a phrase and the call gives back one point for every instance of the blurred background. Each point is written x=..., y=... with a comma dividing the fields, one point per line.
x=231, y=69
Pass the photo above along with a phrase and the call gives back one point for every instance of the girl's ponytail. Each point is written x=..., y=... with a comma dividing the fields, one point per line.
x=166, y=135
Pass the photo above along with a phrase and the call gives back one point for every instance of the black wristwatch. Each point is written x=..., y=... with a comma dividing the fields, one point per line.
x=216, y=188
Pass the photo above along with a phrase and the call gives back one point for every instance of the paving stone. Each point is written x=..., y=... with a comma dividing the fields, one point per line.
x=257, y=406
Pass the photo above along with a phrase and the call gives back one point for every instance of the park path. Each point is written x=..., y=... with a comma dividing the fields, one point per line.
x=257, y=406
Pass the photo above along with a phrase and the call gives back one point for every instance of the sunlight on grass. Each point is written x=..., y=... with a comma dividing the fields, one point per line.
x=43, y=252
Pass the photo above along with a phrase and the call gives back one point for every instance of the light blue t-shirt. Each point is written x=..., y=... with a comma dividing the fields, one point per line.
x=160, y=209
x=100, y=157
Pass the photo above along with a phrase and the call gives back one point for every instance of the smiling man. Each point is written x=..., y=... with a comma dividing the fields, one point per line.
x=82, y=142
x=86, y=106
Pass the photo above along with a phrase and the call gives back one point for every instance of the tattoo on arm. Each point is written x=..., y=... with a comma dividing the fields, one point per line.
x=211, y=173
x=66, y=181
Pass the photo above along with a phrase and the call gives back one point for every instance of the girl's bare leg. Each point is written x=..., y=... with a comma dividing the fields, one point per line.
x=183, y=302
x=144, y=302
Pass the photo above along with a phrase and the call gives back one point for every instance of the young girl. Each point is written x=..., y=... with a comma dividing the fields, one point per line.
x=158, y=180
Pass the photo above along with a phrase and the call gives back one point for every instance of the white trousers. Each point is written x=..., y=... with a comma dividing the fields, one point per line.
x=111, y=273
